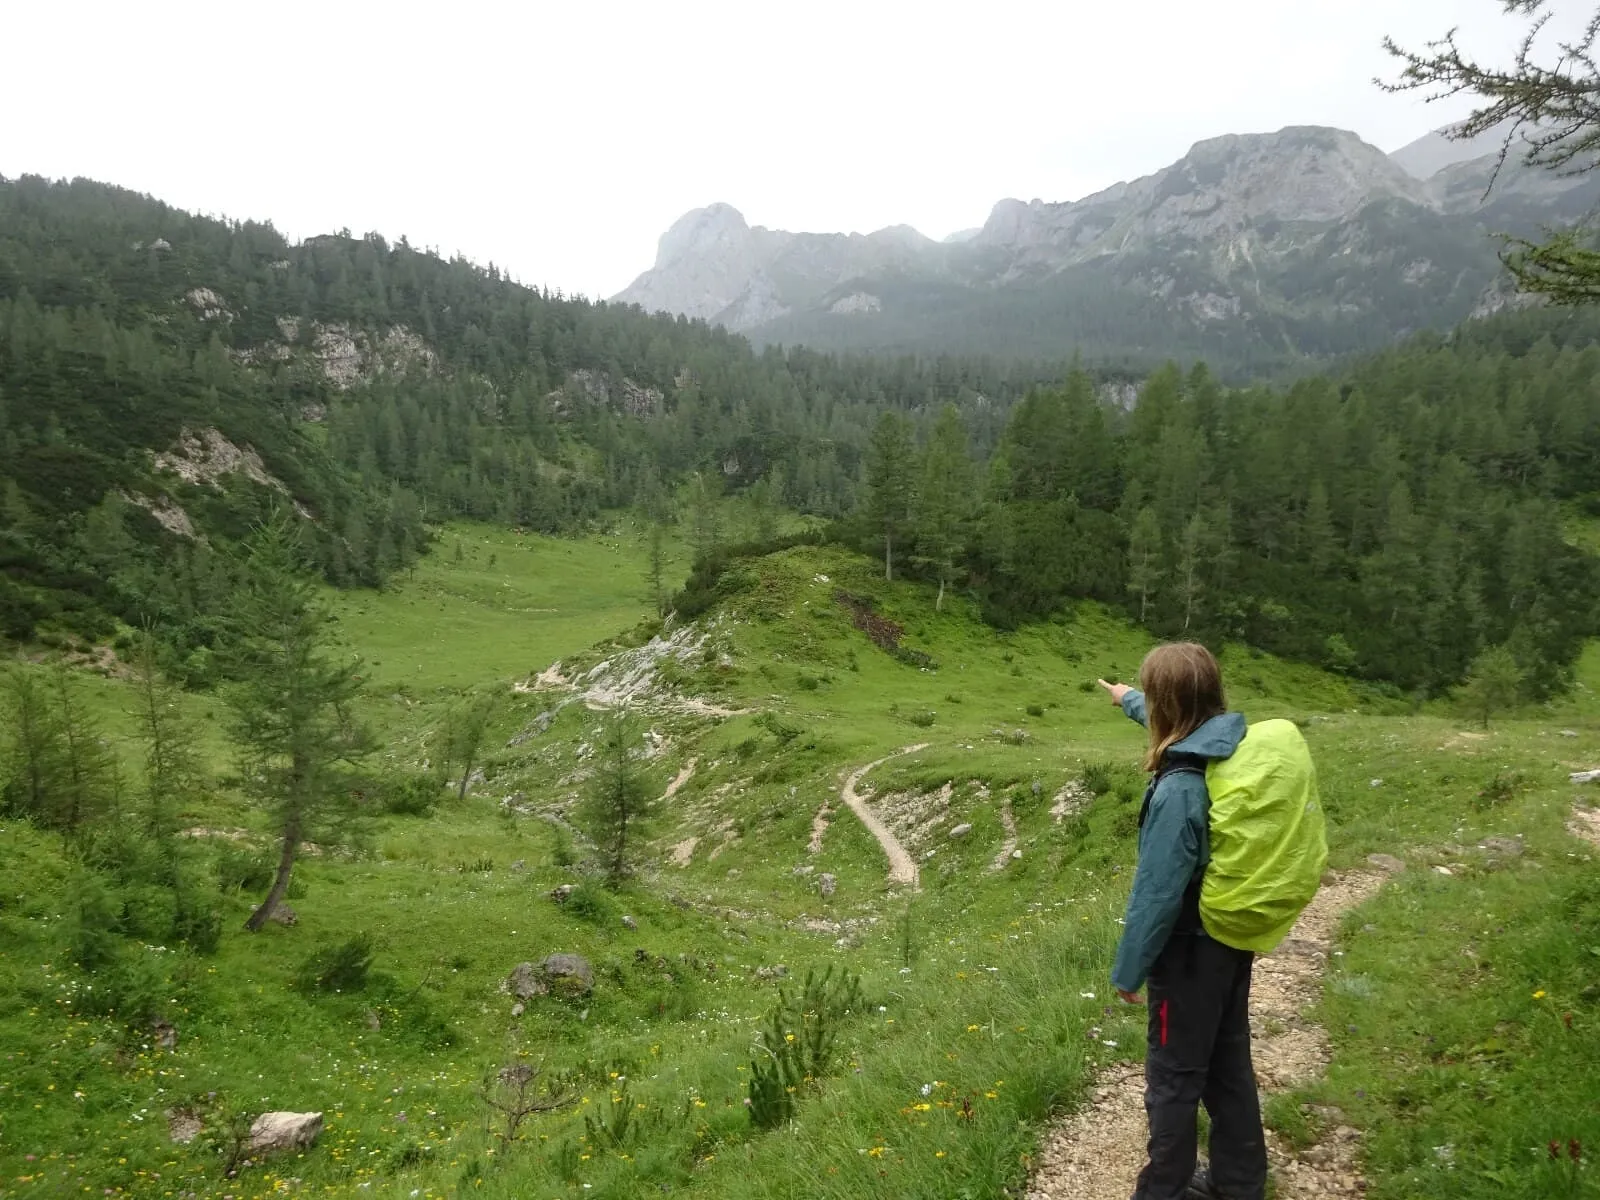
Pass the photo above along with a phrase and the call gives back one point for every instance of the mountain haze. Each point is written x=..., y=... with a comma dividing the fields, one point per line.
x=1253, y=250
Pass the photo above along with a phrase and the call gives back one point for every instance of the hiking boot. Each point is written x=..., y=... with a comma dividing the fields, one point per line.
x=1201, y=1188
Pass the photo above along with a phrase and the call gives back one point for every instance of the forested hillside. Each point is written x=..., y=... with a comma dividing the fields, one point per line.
x=1396, y=522
x=167, y=380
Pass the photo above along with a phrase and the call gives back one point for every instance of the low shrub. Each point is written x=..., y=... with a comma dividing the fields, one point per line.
x=340, y=967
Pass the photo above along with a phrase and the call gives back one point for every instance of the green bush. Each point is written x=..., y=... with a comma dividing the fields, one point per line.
x=411, y=795
x=799, y=1040
x=340, y=967
x=588, y=902
x=1100, y=777
x=240, y=869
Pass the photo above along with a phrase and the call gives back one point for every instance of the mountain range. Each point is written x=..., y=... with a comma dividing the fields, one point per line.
x=1252, y=250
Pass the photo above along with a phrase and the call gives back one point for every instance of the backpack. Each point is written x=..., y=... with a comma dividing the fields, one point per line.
x=1268, y=842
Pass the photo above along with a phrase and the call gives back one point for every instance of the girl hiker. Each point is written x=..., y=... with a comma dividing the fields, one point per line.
x=1231, y=848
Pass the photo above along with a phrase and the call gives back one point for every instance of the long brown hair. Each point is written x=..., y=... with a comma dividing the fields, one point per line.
x=1182, y=685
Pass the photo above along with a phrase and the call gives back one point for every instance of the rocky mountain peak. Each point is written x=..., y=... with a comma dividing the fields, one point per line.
x=717, y=228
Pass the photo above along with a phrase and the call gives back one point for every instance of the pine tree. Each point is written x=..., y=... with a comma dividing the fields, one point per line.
x=945, y=498
x=173, y=775
x=619, y=800
x=656, y=571
x=889, y=465
x=292, y=722
x=89, y=782
x=1493, y=683
x=461, y=739
x=1550, y=111
x=705, y=513
x=1145, y=570
x=35, y=757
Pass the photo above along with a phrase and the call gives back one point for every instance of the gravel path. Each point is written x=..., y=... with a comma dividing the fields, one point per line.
x=902, y=869
x=1097, y=1153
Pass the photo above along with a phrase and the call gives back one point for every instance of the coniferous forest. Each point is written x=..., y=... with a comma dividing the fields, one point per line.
x=169, y=381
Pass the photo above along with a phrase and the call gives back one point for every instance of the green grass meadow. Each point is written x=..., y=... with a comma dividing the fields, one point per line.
x=1464, y=1007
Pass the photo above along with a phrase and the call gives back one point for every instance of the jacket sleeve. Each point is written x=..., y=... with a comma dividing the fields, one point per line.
x=1171, y=846
x=1133, y=706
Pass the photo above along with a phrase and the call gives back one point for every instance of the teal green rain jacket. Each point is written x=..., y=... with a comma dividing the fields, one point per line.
x=1174, y=845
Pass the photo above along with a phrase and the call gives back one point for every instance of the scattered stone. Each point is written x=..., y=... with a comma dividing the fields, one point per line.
x=629, y=923
x=1377, y=783
x=1569, y=733
x=521, y=864
x=778, y=972
x=183, y=1125
x=166, y=1035
x=827, y=884
x=568, y=973
x=518, y=1009
x=960, y=831
x=1585, y=776
x=374, y=1021
x=1387, y=862
x=274, y=1131
x=524, y=982
x=1016, y=854
x=804, y=869
x=1443, y=871
x=1507, y=847
x=282, y=914
x=1329, y=877
x=562, y=893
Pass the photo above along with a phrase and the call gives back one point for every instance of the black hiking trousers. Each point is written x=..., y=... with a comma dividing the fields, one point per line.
x=1199, y=998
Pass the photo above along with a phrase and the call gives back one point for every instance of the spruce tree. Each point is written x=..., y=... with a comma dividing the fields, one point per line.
x=1493, y=683
x=889, y=466
x=1145, y=558
x=461, y=739
x=173, y=775
x=619, y=799
x=291, y=707
x=945, y=498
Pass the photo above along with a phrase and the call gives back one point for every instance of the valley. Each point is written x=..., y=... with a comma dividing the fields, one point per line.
x=984, y=1009
x=463, y=738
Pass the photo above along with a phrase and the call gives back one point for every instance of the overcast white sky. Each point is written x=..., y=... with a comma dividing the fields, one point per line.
x=561, y=139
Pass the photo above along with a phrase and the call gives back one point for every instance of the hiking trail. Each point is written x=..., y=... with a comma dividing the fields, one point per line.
x=1097, y=1153
x=1008, y=848
x=679, y=780
x=902, y=869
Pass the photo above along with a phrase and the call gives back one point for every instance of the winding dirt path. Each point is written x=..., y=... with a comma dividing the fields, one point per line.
x=1097, y=1153
x=1008, y=822
x=682, y=778
x=819, y=828
x=902, y=868
x=1585, y=824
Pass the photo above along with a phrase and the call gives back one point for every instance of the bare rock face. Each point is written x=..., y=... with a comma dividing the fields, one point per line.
x=277, y=1131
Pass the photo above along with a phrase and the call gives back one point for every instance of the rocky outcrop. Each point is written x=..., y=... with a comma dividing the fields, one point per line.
x=206, y=457
x=714, y=266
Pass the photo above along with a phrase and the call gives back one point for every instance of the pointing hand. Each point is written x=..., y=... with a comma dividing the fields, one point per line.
x=1116, y=690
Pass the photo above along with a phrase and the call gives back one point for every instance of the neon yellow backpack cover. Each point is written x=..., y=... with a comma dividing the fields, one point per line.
x=1269, y=846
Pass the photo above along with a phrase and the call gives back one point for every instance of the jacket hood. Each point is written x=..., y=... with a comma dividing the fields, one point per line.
x=1217, y=738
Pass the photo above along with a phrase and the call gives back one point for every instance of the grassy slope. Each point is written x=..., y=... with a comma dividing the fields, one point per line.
x=980, y=992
